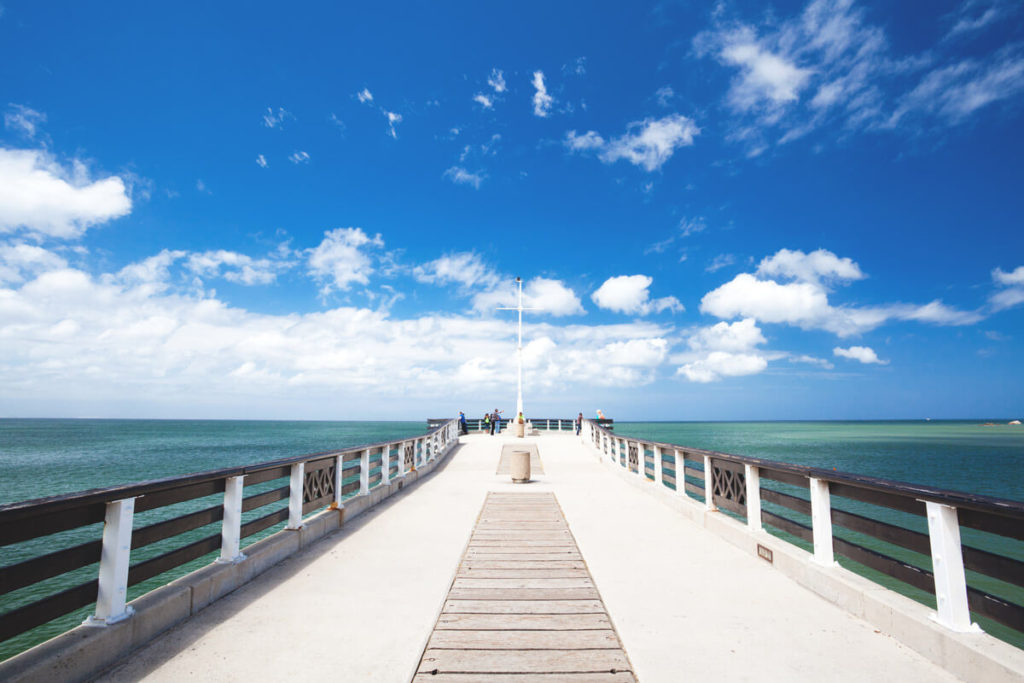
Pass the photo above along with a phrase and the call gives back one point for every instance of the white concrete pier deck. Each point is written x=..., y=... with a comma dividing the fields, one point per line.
x=360, y=605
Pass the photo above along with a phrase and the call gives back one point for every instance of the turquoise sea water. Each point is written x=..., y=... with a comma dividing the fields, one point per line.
x=48, y=457
x=964, y=455
x=52, y=456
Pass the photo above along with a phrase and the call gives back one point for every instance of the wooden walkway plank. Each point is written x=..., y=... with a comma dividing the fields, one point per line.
x=523, y=622
x=622, y=677
x=524, y=661
x=523, y=606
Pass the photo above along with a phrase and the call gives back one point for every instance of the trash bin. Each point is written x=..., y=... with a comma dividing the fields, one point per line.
x=520, y=467
x=520, y=429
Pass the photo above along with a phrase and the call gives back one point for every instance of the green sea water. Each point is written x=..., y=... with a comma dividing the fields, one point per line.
x=48, y=457
x=44, y=457
x=962, y=455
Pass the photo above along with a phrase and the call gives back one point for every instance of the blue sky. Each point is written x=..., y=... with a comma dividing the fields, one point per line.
x=733, y=211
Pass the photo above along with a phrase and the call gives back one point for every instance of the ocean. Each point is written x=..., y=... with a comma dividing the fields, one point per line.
x=962, y=455
x=44, y=457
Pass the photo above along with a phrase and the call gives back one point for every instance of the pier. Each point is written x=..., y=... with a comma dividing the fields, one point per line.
x=436, y=567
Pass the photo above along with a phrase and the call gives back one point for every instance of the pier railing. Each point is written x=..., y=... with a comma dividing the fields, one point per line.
x=864, y=519
x=32, y=532
x=551, y=424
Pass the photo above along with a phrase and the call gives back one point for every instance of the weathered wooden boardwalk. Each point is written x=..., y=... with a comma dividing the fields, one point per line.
x=523, y=602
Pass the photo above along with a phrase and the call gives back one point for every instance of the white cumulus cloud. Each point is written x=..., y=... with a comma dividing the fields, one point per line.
x=723, y=350
x=864, y=354
x=718, y=364
x=41, y=197
x=19, y=261
x=816, y=266
x=483, y=100
x=340, y=260
x=630, y=294
x=552, y=297
x=804, y=302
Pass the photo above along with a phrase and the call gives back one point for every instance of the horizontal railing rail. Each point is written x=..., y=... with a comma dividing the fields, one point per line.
x=867, y=520
x=241, y=499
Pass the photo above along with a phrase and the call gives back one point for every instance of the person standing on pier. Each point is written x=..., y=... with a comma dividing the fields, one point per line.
x=488, y=427
x=579, y=423
x=496, y=422
x=463, y=428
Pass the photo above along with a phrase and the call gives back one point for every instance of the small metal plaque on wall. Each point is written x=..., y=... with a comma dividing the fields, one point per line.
x=764, y=553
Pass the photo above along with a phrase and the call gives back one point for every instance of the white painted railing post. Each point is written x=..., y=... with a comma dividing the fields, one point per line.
x=231, y=528
x=111, y=598
x=364, y=472
x=659, y=477
x=339, y=476
x=295, y=495
x=385, y=464
x=679, y=460
x=821, y=522
x=948, y=566
x=752, y=475
x=401, y=460
x=709, y=485
x=641, y=457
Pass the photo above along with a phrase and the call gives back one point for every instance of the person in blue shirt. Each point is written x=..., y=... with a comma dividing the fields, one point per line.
x=463, y=428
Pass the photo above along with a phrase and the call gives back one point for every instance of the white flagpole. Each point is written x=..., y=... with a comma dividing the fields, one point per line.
x=519, y=346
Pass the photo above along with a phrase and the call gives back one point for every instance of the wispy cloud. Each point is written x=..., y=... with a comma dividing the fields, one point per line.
x=953, y=93
x=1011, y=292
x=497, y=81
x=23, y=120
x=664, y=95
x=299, y=157
x=392, y=118
x=483, y=100
x=542, y=101
x=461, y=176
x=687, y=227
x=261, y=161
x=975, y=15
x=719, y=262
x=648, y=143
x=276, y=118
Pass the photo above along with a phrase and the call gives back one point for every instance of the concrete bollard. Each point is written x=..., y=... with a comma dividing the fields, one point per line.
x=520, y=467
